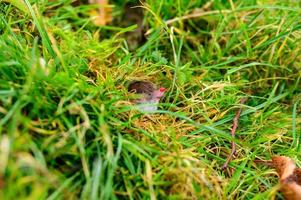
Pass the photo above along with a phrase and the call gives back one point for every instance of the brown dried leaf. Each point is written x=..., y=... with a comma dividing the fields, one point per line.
x=284, y=166
x=289, y=175
x=103, y=15
x=291, y=191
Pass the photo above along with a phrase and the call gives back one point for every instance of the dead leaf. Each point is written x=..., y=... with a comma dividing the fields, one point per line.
x=291, y=191
x=289, y=176
x=103, y=15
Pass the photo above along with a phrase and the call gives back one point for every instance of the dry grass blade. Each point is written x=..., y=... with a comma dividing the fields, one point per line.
x=197, y=14
x=233, y=131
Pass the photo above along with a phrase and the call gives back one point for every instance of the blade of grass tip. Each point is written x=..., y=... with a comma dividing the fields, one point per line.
x=245, y=112
x=80, y=145
x=113, y=164
x=158, y=19
x=221, y=64
x=271, y=96
x=12, y=33
x=236, y=178
x=247, y=39
x=268, y=194
x=43, y=33
x=204, y=127
x=154, y=139
x=298, y=139
x=82, y=151
x=127, y=29
x=295, y=142
x=256, y=16
x=127, y=159
x=9, y=93
x=129, y=187
x=152, y=39
x=148, y=169
x=136, y=150
x=66, y=183
x=171, y=38
x=281, y=35
x=272, y=7
x=9, y=63
x=119, y=149
x=96, y=179
x=176, y=56
x=12, y=111
x=251, y=65
x=96, y=173
x=5, y=147
x=232, y=164
x=19, y=4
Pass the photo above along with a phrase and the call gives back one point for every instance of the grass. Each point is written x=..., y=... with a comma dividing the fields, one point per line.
x=69, y=131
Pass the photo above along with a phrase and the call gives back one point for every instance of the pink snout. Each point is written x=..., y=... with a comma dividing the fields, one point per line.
x=159, y=93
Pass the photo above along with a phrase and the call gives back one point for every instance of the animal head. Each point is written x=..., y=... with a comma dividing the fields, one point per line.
x=149, y=95
x=158, y=94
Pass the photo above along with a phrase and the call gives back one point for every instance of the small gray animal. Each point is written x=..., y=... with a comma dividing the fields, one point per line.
x=149, y=95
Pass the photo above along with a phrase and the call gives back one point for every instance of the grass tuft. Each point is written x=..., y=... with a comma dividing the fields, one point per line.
x=68, y=129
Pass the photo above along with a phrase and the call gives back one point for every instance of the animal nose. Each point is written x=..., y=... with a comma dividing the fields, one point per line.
x=162, y=89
